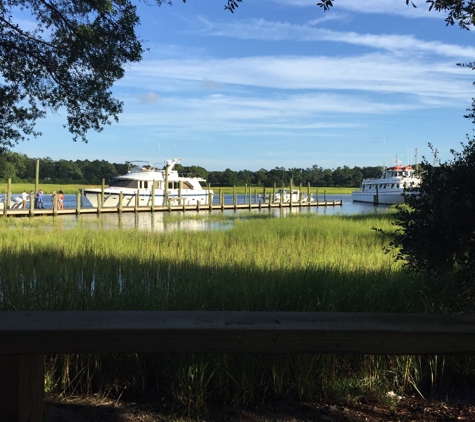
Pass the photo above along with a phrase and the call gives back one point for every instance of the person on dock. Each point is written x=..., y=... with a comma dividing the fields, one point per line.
x=60, y=200
x=39, y=199
x=24, y=199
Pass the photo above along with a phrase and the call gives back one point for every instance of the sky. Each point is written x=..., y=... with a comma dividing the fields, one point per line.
x=281, y=83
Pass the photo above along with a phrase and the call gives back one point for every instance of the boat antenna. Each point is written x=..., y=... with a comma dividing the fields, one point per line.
x=417, y=162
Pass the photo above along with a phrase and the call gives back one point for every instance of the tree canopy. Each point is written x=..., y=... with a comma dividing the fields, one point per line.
x=460, y=11
x=68, y=60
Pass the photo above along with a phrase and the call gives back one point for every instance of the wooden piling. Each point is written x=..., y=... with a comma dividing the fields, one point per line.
x=8, y=200
x=78, y=203
x=210, y=198
x=103, y=187
x=234, y=198
x=37, y=180
x=121, y=198
x=99, y=203
x=55, y=203
x=32, y=205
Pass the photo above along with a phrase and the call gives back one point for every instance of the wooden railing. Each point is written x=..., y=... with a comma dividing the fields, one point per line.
x=25, y=337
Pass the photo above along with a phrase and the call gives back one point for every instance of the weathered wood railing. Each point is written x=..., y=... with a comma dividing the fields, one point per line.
x=25, y=337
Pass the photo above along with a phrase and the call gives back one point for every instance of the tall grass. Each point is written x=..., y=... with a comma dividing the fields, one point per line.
x=297, y=263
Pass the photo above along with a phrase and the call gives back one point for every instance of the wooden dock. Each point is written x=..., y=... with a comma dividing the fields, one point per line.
x=250, y=203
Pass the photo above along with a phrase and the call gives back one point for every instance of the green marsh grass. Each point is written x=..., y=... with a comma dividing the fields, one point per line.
x=296, y=263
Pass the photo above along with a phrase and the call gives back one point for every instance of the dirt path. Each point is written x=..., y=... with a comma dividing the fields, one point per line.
x=405, y=410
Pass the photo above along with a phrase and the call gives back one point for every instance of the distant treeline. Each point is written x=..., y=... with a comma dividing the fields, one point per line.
x=21, y=168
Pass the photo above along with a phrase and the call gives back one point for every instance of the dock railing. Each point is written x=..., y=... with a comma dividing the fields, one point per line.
x=25, y=337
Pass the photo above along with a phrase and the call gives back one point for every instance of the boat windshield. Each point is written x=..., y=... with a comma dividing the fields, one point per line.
x=124, y=183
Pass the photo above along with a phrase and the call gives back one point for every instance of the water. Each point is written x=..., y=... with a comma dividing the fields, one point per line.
x=194, y=221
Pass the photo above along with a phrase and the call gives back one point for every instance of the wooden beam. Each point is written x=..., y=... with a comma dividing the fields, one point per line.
x=235, y=332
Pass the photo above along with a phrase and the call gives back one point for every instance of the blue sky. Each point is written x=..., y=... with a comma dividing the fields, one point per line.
x=280, y=83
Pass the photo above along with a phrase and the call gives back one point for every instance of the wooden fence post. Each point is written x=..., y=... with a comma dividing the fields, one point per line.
x=78, y=203
x=22, y=387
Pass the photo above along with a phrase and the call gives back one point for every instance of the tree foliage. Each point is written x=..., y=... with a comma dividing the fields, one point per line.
x=460, y=11
x=21, y=168
x=68, y=61
x=436, y=233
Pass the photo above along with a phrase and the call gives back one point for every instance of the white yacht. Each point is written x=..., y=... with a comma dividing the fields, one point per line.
x=391, y=188
x=142, y=184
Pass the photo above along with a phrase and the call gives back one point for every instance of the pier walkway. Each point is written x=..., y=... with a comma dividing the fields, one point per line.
x=249, y=203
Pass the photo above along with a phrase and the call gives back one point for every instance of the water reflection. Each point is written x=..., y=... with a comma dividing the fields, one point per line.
x=203, y=220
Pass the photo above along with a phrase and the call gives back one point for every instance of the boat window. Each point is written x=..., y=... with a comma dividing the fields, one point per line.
x=157, y=185
x=145, y=184
x=171, y=185
x=187, y=185
x=124, y=183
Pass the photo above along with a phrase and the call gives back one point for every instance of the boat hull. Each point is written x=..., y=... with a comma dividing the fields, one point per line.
x=131, y=198
x=386, y=198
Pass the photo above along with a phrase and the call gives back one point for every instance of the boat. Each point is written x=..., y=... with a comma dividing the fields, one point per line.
x=391, y=188
x=15, y=203
x=146, y=183
x=286, y=196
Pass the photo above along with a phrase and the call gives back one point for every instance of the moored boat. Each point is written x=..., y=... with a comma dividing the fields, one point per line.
x=144, y=184
x=15, y=203
x=285, y=196
x=391, y=188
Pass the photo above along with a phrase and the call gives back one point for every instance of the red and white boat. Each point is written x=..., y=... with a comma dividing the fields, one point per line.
x=391, y=188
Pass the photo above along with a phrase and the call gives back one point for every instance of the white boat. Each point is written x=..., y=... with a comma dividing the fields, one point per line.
x=142, y=184
x=287, y=196
x=391, y=188
x=15, y=203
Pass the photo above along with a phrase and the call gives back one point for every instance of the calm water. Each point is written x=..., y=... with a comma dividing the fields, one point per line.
x=160, y=221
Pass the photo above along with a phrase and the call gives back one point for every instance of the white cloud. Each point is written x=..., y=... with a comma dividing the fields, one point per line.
x=375, y=73
x=261, y=29
x=149, y=98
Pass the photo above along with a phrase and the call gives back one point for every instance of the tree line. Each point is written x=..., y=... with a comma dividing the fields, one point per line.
x=21, y=168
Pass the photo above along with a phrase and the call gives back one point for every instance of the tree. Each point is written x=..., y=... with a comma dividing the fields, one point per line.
x=70, y=60
x=460, y=11
x=436, y=234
